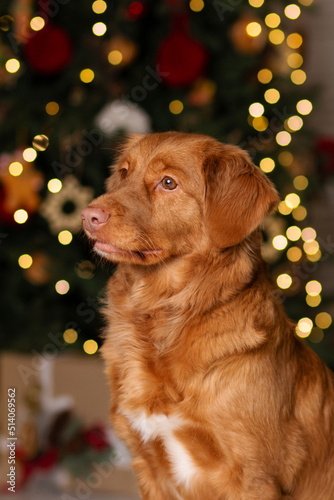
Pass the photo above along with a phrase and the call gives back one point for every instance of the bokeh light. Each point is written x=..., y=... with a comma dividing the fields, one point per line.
x=264, y=75
x=90, y=346
x=25, y=261
x=176, y=107
x=15, y=169
x=62, y=287
x=304, y=327
x=284, y=281
x=20, y=216
x=65, y=237
x=313, y=288
x=70, y=336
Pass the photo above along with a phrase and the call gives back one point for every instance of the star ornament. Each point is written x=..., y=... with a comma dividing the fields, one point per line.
x=62, y=210
x=21, y=191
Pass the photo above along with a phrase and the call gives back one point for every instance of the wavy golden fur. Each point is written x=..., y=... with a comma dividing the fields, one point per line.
x=211, y=390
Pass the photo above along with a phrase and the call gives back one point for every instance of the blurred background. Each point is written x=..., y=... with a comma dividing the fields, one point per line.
x=74, y=78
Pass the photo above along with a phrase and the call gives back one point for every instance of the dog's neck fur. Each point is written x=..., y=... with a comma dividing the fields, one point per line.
x=197, y=277
x=168, y=293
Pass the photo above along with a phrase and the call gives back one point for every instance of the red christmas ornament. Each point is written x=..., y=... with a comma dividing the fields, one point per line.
x=135, y=11
x=49, y=50
x=181, y=59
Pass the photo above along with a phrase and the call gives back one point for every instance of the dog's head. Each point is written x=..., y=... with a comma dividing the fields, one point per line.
x=171, y=193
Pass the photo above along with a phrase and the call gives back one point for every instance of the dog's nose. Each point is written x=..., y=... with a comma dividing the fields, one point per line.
x=93, y=218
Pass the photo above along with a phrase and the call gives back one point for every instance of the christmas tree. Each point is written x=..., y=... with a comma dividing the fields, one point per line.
x=76, y=76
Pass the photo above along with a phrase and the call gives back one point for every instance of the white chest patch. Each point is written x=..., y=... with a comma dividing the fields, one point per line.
x=159, y=425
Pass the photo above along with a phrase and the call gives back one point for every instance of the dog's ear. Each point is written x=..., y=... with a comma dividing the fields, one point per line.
x=128, y=141
x=238, y=195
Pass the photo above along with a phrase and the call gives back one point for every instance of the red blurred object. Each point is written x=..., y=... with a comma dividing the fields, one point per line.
x=180, y=57
x=96, y=438
x=135, y=10
x=49, y=50
x=5, y=217
x=325, y=153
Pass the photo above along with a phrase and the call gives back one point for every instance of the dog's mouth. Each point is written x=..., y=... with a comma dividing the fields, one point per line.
x=108, y=250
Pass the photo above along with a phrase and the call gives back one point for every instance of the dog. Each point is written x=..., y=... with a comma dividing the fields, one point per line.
x=212, y=391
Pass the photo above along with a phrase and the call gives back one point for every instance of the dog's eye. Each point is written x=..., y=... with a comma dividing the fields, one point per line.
x=168, y=183
x=123, y=172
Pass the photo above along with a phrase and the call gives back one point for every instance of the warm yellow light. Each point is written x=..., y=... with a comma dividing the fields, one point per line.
x=272, y=95
x=65, y=237
x=267, y=165
x=307, y=3
x=99, y=29
x=304, y=107
x=300, y=182
x=284, y=209
x=20, y=216
x=54, y=185
x=292, y=200
x=292, y=11
x=313, y=257
x=52, y=108
x=256, y=3
x=256, y=109
x=15, y=169
x=284, y=281
x=279, y=242
x=70, y=336
x=298, y=77
x=25, y=261
x=311, y=248
x=304, y=327
x=313, y=288
x=253, y=29
x=90, y=346
x=276, y=36
x=260, y=123
x=196, y=5
x=309, y=234
x=40, y=142
x=99, y=6
x=176, y=107
x=293, y=233
x=295, y=60
x=37, y=23
x=295, y=123
x=115, y=57
x=272, y=20
x=313, y=300
x=62, y=287
x=12, y=65
x=294, y=254
x=264, y=75
x=299, y=213
x=285, y=158
x=283, y=138
x=323, y=320
x=29, y=154
x=87, y=75
x=316, y=335
x=294, y=40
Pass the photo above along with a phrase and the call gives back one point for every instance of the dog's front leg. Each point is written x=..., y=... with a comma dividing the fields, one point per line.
x=151, y=488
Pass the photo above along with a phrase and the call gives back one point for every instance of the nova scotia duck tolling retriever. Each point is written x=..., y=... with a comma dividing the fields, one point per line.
x=211, y=390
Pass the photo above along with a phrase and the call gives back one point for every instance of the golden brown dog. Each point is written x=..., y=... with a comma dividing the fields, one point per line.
x=212, y=392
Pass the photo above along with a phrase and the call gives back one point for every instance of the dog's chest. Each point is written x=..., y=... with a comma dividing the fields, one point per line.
x=164, y=428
